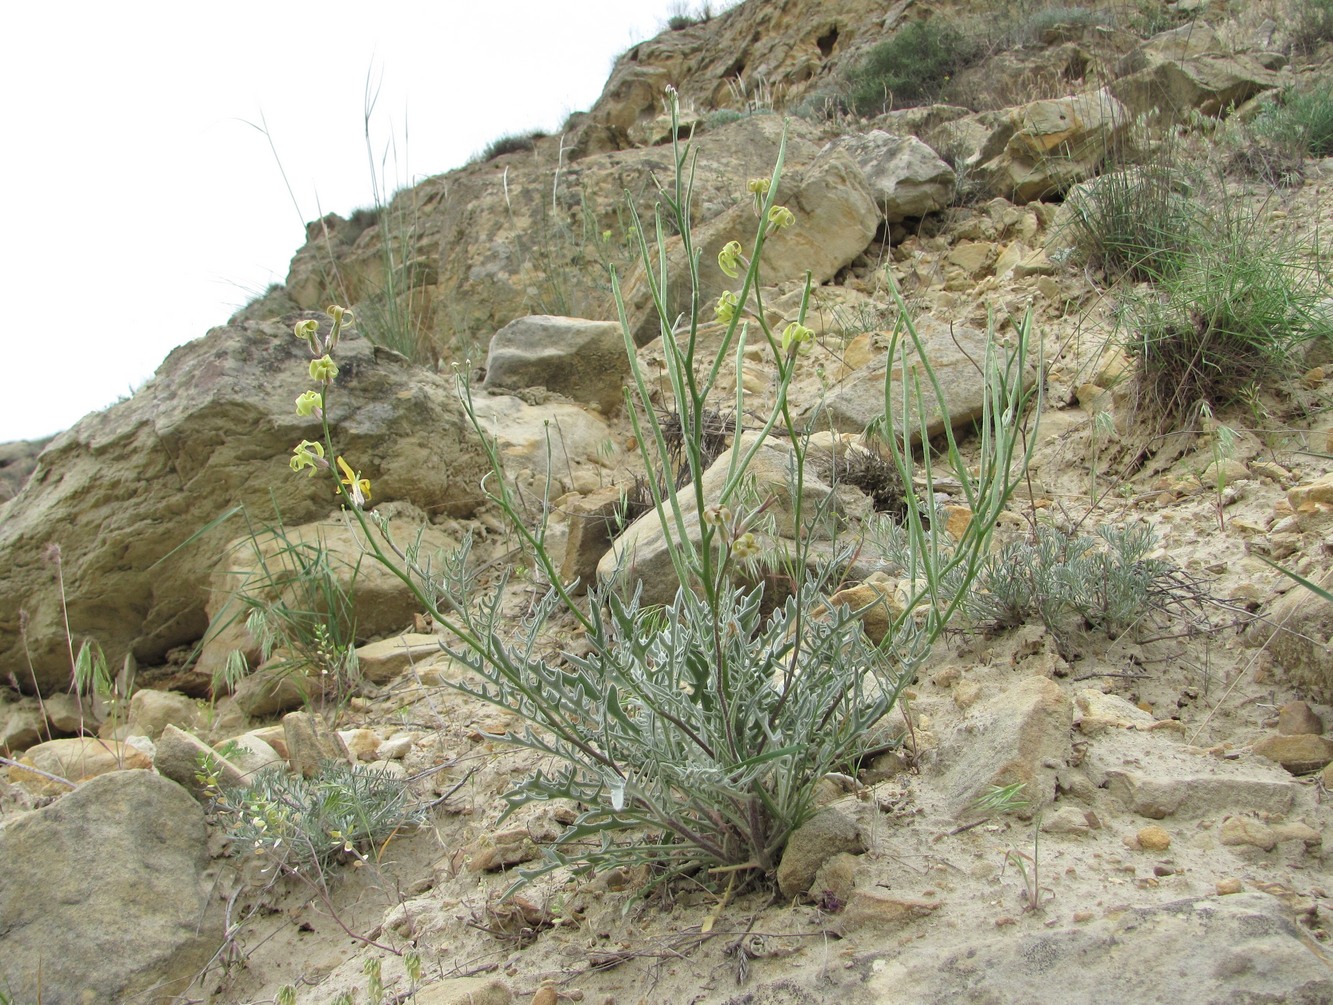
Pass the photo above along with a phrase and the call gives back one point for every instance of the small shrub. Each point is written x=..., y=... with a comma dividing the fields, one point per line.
x=1311, y=26
x=1076, y=582
x=512, y=143
x=693, y=735
x=909, y=68
x=299, y=823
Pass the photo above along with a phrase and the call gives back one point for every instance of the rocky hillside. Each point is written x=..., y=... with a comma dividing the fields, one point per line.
x=1106, y=781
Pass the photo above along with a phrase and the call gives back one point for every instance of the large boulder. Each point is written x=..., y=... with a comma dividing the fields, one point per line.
x=906, y=177
x=1185, y=69
x=583, y=360
x=265, y=569
x=1049, y=145
x=125, y=489
x=641, y=555
x=836, y=219
x=955, y=353
x=103, y=895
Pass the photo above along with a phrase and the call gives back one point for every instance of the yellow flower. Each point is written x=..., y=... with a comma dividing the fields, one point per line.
x=798, y=336
x=306, y=329
x=781, y=216
x=746, y=546
x=308, y=454
x=717, y=516
x=728, y=258
x=323, y=369
x=308, y=403
x=726, y=307
x=357, y=487
x=342, y=317
x=759, y=186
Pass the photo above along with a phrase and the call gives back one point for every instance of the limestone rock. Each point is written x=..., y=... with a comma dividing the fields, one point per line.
x=501, y=850
x=180, y=756
x=1242, y=948
x=953, y=350
x=104, y=895
x=263, y=570
x=382, y=661
x=22, y=723
x=640, y=555
x=1051, y=144
x=876, y=909
x=580, y=359
x=1299, y=753
x=1020, y=735
x=1298, y=632
x=310, y=742
x=1186, y=69
x=591, y=519
x=77, y=759
x=1297, y=717
x=906, y=177
x=836, y=219
x=125, y=488
x=273, y=688
x=829, y=832
x=249, y=753
x=553, y=441
x=152, y=711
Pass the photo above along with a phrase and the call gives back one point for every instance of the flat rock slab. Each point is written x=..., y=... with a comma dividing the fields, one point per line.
x=1243, y=948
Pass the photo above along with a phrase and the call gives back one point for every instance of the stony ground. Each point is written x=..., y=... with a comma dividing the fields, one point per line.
x=1166, y=826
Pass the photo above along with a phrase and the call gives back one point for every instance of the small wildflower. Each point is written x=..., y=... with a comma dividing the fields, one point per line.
x=308, y=404
x=726, y=307
x=323, y=369
x=357, y=487
x=780, y=217
x=308, y=454
x=342, y=317
x=307, y=330
x=728, y=259
x=716, y=516
x=606, y=237
x=759, y=186
x=746, y=546
x=799, y=337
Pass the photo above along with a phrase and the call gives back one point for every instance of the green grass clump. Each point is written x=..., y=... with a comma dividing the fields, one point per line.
x=1311, y=26
x=1236, y=316
x=1303, y=123
x=512, y=143
x=1136, y=223
x=911, y=67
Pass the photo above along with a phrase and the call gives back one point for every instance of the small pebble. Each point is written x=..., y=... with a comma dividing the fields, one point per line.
x=1229, y=885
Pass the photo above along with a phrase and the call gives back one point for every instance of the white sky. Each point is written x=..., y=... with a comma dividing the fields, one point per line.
x=143, y=209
